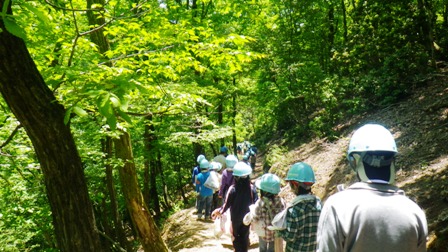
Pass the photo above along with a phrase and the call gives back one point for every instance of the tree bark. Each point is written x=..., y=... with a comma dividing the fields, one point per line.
x=118, y=233
x=150, y=168
x=35, y=106
x=147, y=231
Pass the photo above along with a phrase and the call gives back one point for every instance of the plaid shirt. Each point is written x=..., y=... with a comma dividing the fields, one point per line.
x=265, y=211
x=301, y=225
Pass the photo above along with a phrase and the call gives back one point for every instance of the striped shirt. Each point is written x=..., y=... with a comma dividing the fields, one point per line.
x=301, y=224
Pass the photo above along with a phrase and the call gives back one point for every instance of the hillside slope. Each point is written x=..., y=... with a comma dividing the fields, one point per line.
x=420, y=127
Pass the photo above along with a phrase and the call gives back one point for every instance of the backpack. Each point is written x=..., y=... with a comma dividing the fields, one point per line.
x=212, y=181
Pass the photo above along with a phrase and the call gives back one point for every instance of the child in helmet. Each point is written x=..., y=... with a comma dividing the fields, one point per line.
x=303, y=214
x=373, y=214
x=216, y=167
x=194, y=175
x=266, y=207
x=205, y=194
x=227, y=176
x=239, y=197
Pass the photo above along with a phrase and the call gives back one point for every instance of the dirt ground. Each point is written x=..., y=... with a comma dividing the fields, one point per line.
x=420, y=127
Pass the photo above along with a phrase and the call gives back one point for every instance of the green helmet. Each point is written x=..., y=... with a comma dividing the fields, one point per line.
x=269, y=183
x=241, y=169
x=301, y=172
x=204, y=164
x=231, y=161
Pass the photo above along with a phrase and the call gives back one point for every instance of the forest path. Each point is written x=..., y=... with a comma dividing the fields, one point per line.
x=184, y=233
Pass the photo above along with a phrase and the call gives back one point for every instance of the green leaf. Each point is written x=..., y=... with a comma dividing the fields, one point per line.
x=67, y=115
x=79, y=111
x=13, y=28
x=125, y=116
x=43, y=18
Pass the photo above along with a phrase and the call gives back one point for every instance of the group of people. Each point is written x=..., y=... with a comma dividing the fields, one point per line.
x=370, y=215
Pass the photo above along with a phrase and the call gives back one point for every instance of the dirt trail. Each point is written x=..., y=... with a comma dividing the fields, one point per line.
x=184, y=233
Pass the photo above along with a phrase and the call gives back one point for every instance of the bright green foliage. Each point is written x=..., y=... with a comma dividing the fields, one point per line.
x=295, y=69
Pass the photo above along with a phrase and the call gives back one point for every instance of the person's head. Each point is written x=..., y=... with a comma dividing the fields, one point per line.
x=231, y=161
x=300, y=177
x=371, y=153
x=241, y=172
x=269, y=185
x=215, y=166
x=204, y=165
x=223, y=150
x=200, y=158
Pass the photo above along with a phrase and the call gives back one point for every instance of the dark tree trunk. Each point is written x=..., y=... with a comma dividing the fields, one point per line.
x=35, y=106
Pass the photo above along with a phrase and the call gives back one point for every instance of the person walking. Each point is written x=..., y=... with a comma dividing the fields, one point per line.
x=266, y=208
x=194, y=175
x=205, y=194
x=372, y=215
x=215, y=167
x=302, y=216
x=221, y=157
x=239, y=197
x=227, y=176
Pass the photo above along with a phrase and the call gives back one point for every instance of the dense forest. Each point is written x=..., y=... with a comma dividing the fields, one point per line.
x=106, y=104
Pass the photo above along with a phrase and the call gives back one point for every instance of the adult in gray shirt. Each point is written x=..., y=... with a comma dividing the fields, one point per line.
x=373, y=214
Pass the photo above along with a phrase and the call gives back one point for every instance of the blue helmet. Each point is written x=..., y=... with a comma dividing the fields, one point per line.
x=223, y=149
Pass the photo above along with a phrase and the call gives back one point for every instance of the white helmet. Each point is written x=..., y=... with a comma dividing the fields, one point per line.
x=200, y=158
x=373, y=147
x=215, y=166
x=241, y=169
x=372, y=137
x=231, y=161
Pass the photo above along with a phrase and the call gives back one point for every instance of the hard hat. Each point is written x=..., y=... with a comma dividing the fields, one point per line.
x=269, y=183
x=231, y=161
x=371, y=153
x=215, y=166
x=200, y=158
x=223, y=149
x=241, y=169
x=372, y=137
x=204, y=164
x=301, y=172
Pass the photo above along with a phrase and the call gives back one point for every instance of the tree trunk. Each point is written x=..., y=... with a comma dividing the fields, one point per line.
x=35, y=106
x=233, y=119
x=167, y=204
x=150, y=168
x=118, y=233
x=147, y=231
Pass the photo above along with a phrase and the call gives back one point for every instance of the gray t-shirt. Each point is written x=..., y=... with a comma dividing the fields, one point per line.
x=371, y=217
